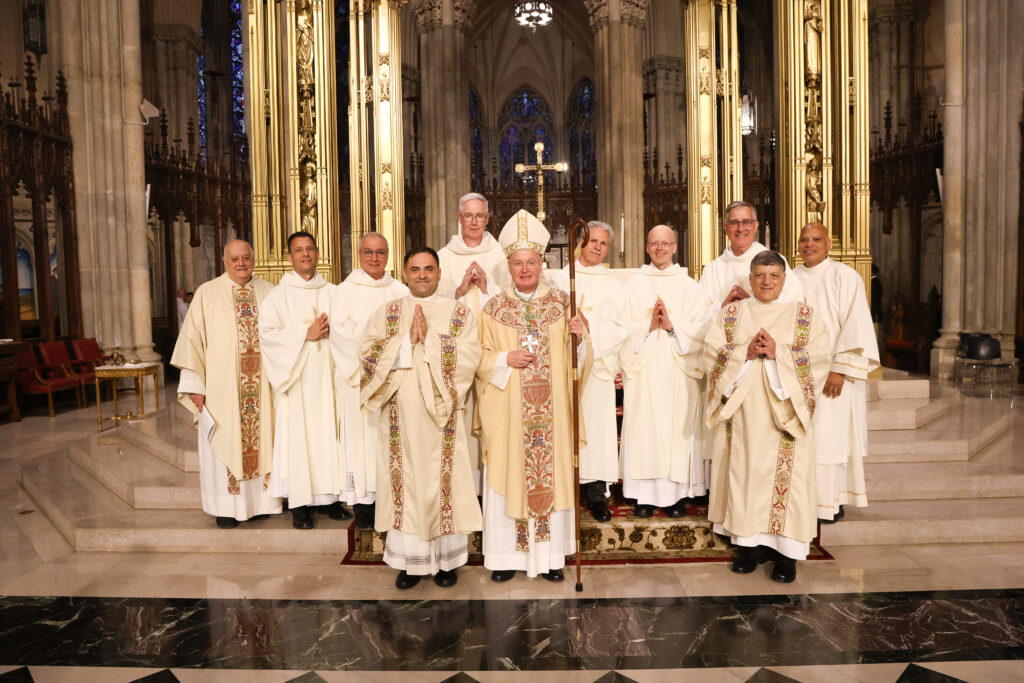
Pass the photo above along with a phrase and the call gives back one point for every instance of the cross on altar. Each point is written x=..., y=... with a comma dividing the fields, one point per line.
x=539, y=169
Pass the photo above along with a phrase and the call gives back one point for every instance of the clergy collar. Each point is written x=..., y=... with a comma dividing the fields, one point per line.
x=293, y=279
x=824, y=265
x=650, y=269
x=359, y=277
x=457, y=246
x=599, y=269
x=745, y=257
x=541, y=291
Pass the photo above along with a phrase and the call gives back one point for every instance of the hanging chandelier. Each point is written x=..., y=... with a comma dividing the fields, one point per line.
x=531, y=13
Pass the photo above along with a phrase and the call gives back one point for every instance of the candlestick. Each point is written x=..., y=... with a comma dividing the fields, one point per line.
x=622, y=240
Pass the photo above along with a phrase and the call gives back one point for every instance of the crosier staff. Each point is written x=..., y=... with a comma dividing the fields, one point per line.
x=582, y=225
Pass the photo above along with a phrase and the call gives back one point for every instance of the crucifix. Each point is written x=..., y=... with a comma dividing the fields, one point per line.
x=539, y=169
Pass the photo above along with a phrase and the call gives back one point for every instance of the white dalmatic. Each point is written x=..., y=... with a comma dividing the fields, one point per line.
x=836, y=293
x=307, y=469
x=354, y=303
x=454, y=258
x=728, y=270
x=599, y=297
x=662, y=454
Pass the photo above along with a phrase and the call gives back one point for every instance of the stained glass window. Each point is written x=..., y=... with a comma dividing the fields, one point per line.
x=202, y=103
x=525, y=118
x=237, y=70
x=579, y=122
x=477, y=173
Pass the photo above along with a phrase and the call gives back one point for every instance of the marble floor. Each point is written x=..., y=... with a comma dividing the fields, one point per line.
x=954, y=610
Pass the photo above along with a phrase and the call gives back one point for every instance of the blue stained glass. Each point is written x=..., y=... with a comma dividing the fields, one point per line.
x=525, y=118
x=476, y=162
x=202, y=102
x=237, y=70
x=579, y=120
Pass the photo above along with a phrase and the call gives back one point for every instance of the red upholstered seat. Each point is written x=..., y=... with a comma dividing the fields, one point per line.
x=56, y=353
x=88, y=350
x=37, y=378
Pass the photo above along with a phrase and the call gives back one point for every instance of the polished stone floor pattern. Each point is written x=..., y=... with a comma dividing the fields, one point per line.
x=515, y=635
x=955, y=610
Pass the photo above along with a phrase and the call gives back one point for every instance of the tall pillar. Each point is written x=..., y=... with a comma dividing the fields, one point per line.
x=666, y=78
x=99, y=51
x=984, y=65
x=822, y=69
x=714, y=143
x=618, y=55
x=444, y=92
x=290, y=73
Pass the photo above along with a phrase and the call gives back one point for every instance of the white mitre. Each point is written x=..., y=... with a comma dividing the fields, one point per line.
x=524, y=231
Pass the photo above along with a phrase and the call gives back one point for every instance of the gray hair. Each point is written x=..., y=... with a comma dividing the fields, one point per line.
x=768, y=258
x=603, y=226
x=252, y=252
x=470, y=197
x=373, y=234
x=739, y=204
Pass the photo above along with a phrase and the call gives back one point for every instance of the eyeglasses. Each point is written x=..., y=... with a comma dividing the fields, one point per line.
x=475, y=217
x=379, y=252
x=746, y=223
x=660, y=245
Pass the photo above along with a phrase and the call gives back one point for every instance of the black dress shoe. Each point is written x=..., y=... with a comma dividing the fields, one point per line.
x=364, y=515
x=336, y=511
x=502, y=575
x=446, y=579
x=700, y=500
x=747, y=559
x=302, y=518
x=644, y=511
x=784, y=570
x=405, y=581
x=678, y=510
x=258, y=518
x=226, y=522
x=554, y=576
x=599, y=510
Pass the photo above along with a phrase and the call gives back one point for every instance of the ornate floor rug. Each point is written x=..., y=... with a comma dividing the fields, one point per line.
x=625, y=539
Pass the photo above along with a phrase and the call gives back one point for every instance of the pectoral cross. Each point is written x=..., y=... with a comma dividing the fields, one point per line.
x=539, y=169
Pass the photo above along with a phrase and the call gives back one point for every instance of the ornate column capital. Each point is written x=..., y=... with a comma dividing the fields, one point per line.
x=632, y=12
x=598, y=11
x=464, y=12
x=432, y=14
x=428, y=15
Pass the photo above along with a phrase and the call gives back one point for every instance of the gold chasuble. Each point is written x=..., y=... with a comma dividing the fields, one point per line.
x=219, y=343
x=763, y=474
x=526, y=427
x=422, y=452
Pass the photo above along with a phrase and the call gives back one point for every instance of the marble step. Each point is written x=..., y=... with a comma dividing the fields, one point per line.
x=897, y=384
x=166, y=437
x=937, y=480
x=139, y=478
x=910, y=413
x=978, y=520
x=958, y=435
x=93, y=518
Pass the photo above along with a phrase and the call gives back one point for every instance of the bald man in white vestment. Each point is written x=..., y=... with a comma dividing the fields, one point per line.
x=727, y=278
x=356, y=300
x=599, y=297
x=224, y=386
x=667, y=316
x=295, y=337
x=836, y=293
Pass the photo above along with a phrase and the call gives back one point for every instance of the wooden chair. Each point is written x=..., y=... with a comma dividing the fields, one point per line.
x=37, y=378
x=88, y=351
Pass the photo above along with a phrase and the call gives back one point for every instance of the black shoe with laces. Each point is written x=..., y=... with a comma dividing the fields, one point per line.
x=784, y=570
x=302, y=518
x=446, y=579
x=336, y=511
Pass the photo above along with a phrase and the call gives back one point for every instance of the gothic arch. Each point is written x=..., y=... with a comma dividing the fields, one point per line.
x=581, y=114
x=524, y=119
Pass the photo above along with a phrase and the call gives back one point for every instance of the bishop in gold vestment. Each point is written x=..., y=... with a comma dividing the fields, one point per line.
x=767, y=358
x=525, y=414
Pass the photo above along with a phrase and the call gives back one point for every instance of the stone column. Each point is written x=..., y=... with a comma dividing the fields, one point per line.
x=176, y=53
x=99, y=51
x=444, y=112
x=618, y=27
x=984, y=65
x=666, y=124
